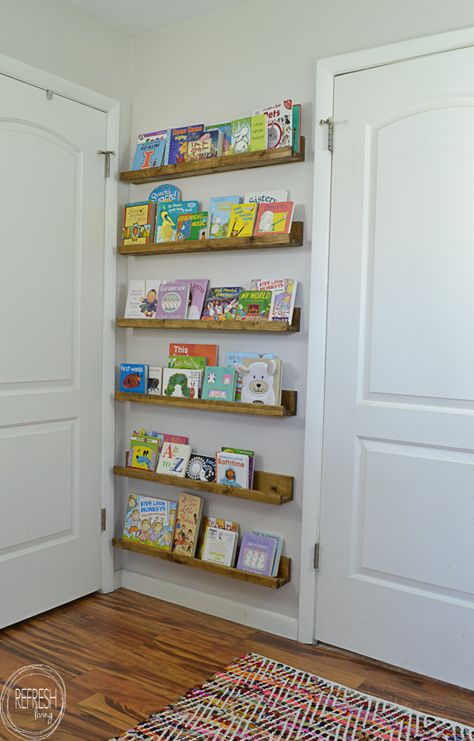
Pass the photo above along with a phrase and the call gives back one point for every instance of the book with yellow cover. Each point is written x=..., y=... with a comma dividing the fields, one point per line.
x=242, y=219
x=138, y=220
x=188, y=522
x=259, y=133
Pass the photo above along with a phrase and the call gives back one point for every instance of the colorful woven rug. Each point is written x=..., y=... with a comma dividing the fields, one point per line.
x=258, y=699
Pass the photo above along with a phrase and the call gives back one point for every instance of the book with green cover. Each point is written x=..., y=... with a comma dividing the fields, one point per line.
x=254, y=305
x=192, y=226
x=258, y=133
x=187, y=362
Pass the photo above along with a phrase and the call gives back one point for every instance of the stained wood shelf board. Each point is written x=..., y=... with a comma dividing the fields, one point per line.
x=228, y=325
x=286, y=409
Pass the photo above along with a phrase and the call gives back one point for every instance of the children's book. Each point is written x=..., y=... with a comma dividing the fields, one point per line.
x=180, y=439
x=187, y=362
x=135, y=296
x=174, y=458
x=274, y=218
x=235, y=358
x=148, y=304
x=221, y=303
x=138, y=223
x=133, y=378
x=167, y=193
x=251, y=456
x=219, y=546
x=204, y=144
x=144, y=451
x=226, y=129
x=210, y=352
x=178, y=143
x=242, y=219
x=188, y=522
x=197, y=295
x=254, y=305
x=215, y=522
x=172, y=300
x=150, y=521
x=266, y=196
x=258, y=133
x=219, y=215
x=296, y=120
x=150, y=151
x=279, y=547
x=155, y=378
x=283, y=296
x=261, y=380
x=167, y=216
x=241, y=135
x=280, y=124
x=192, y=226
x=182, y=383
x=219, y=383
x=232, y=469
x=201, y=468
x=257, y=554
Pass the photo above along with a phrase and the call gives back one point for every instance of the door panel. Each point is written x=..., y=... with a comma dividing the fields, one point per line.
x=396, y=580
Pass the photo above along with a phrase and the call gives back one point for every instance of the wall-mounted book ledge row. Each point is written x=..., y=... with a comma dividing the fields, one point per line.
x=287, y=408
x=269, y=488
x=228, y=325
x=225, y=163
x=264, y=241
x=273, y=582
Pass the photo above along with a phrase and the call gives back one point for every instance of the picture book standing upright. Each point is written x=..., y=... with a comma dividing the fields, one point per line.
x=188, y=521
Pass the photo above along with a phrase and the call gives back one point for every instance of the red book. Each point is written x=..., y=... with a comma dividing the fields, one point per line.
x=274, y=218
x=196, y=351
x=175, y=439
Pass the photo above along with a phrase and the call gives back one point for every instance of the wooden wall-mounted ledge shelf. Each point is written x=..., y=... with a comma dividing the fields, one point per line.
x=264, y=241
x=229, y=325
x=287, y=408
x=273, y=582
x=269, y=488
x=226, y=163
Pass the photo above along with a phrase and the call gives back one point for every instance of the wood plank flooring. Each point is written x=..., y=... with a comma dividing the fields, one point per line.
x=125, y=655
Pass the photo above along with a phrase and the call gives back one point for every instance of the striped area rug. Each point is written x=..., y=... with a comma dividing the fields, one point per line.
x=259, y=699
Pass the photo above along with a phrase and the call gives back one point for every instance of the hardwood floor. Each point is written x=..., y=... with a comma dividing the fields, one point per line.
x=125, y=655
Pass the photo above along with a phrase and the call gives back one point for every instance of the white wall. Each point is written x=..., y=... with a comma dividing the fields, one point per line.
x=214, y=68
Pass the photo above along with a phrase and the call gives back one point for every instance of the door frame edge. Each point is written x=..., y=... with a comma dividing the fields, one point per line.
x=327, y=69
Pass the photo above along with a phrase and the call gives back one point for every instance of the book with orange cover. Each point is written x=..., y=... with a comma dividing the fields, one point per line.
x=138, y=221
x=274, y=218
x=195, y=350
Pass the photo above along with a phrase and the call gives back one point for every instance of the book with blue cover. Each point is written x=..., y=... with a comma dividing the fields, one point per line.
x=177, y=146
x=226, y=129
x=134, y=378
x=150, y=150
x=235, y=358
x=219, y=215
x=167, y=218
x=204, y=144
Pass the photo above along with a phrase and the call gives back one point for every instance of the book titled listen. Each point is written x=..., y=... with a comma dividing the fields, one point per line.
x=188, y=521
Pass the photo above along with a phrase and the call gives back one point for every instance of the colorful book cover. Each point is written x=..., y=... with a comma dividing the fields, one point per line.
x=155, y=379
x=232, y=469
x=180, y=439
x=235, y=358
x=261, y=380
x=257, y=554
x=188, y=522
x=219, y=546
x=172, y=300
x=279, y=547
x=167, y=216
x=210, y=352
x=219, y=383
x=241, y=135
x=187, y=362
x=182, y=383
x=254, y=305
x=274, y=218
x=201, y=468
x=138, y=223
x=178, y=143
x=192, y=226
x=296, y=125
x=251, y=457
x=219, y=215
x=242, y=219
x=226, y=129
x=208, y=522
x=167, y=193
x=197, y=295
x=204, y=144
x=150, y=150
x=258, y=133
x=148, y=303
x=280, y=124
x=150, y=521
x=144, y=451
x=222, y=303
x=133, y=378
x=283, y=296
x=135, y=297
x=174, y=459
x=266, y=196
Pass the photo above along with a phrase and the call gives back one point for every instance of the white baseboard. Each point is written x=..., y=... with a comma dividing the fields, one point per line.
x=254, y=617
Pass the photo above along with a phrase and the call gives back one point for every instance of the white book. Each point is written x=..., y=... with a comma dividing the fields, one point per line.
x=283, y=296
x=232, y=469
x=174, y=459
x=279, y=542
x=183, y=383
x=220, y=546
x=155, y=380
x=135, y=296
x=266, y=196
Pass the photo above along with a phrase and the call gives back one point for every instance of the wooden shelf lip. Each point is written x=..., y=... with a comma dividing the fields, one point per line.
x=229, y=325
x=269, y=488
x=273, y=582
x=287, y=408
x=265, y=241
x=225, y=163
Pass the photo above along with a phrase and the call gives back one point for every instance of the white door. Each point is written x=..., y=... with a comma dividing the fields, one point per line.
x=51, y=285
x=396, y=580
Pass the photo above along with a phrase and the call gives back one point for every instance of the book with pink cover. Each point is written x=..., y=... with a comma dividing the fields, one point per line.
x=274, y=218
x=197, y=295
x=172, y=300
